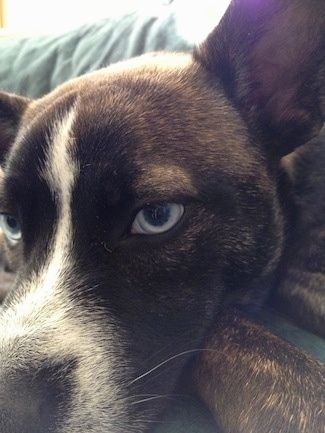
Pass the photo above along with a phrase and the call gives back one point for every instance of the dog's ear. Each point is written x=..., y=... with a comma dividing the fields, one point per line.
x=269, y=55
x=12, y=108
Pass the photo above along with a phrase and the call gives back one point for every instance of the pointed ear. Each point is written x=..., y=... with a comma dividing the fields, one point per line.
x=12, y=108
x=270, y=57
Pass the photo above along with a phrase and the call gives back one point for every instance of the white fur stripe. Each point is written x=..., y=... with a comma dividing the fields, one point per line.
x=61, y=173
x=44, y=321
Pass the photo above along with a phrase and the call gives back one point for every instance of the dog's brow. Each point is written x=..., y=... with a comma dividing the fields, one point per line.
x=166, y=179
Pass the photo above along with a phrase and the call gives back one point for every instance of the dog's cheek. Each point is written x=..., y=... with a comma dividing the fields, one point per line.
x=171, y=293
x=13, y=256
x=213, y=254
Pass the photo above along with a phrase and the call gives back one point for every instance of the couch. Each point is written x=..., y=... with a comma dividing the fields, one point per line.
x=34, y=65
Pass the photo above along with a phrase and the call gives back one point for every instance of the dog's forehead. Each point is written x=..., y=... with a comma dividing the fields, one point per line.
x=156, y=117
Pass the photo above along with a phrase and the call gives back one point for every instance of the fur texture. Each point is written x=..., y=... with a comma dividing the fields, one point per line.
x=103, y=317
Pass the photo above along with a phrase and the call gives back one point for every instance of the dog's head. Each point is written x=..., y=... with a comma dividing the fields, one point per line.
x=136, y=201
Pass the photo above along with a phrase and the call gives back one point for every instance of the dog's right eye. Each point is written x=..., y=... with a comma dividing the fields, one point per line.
x=10, y=227
x=157, y=218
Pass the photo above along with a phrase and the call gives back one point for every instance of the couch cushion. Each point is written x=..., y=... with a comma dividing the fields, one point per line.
x=34, y=65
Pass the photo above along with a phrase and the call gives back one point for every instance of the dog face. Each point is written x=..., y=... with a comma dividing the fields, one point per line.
x=136, y=202
x=104, y=185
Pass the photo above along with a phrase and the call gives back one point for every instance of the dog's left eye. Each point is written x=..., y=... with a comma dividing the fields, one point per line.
x=157, y=218
x=10, y=227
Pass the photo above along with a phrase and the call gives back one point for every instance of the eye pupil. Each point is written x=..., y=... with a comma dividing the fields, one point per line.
x=12, y=223
x=157, y=216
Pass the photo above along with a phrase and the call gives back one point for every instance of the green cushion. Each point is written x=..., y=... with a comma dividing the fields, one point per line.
x=35, y=65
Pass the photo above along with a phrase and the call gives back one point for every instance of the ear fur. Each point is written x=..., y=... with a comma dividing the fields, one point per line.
x=270, y=57
x=12, y=108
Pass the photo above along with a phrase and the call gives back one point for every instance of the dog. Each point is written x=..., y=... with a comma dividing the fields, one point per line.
x=300, y=290
x=144, y=207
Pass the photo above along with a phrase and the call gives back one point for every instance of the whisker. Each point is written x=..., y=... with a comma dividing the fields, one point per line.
x=151, y=397
x=175, y=340
x=161, y=364
x=166, y=361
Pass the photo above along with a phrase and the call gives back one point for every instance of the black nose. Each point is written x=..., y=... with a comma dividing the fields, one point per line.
x=35, y=400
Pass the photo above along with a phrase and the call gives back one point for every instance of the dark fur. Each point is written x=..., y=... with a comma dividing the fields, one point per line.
x=253, y=381
x=300, y=292
x=208, y=132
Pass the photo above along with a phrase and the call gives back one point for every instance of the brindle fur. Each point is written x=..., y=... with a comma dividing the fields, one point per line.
x=210, y=131
x=300, y=292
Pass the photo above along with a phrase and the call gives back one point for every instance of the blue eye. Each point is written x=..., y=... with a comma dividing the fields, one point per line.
x=157, y=218
x=10, y=227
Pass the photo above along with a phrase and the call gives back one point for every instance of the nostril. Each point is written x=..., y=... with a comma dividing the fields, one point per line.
x=36, y=400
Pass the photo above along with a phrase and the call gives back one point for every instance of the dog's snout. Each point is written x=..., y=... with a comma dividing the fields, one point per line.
x=32, y=401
